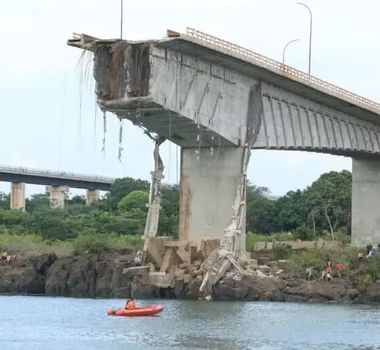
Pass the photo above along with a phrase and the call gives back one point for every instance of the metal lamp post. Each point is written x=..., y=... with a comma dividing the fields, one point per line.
x=310, y=31
x=283, y=51
x=121, y=19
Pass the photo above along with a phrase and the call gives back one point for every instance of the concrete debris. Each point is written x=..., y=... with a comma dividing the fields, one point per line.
x=177, y=263
x=260, y=274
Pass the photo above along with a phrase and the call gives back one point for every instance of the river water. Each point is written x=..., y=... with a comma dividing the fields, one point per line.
x=38, y=323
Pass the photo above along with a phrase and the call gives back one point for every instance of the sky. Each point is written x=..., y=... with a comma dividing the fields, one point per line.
x=48, y=115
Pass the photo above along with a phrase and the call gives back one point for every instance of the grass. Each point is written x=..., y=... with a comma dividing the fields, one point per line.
x=100, y=243
x=34, y=244
x=361, y=274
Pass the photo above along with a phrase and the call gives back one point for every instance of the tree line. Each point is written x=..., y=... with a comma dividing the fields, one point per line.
x=323, y=206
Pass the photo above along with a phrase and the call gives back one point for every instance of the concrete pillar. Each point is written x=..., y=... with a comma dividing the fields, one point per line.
x=92, y=196
x=208, y=186
x=365, y=202
x=18, y=196
x=57, y=196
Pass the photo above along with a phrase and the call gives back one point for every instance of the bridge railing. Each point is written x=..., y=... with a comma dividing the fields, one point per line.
x=57, y=174
x=285, y=70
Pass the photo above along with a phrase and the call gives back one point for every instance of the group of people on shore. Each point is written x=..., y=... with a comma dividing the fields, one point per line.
x=327, y=271
x=372, y=250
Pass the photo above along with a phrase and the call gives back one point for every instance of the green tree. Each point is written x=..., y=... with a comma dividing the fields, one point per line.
x=290, y=212
x=77, y=199
x=261, y=216
x=37, y=202
x=122, y=187
x=328, y=201
x=134, y=200
x=4, y=201
x=168, y=222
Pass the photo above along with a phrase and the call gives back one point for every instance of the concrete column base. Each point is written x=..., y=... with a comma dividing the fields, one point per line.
x=208, y=186
x=365, y=202
x=57, y=196
x=17, y=196
x=92, y=196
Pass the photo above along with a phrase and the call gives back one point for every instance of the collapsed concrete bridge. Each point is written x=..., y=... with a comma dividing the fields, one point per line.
x=217, y=101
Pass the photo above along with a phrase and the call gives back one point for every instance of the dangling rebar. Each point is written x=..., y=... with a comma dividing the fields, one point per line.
x=170, y=149
x=120, y=140
x=104, y=133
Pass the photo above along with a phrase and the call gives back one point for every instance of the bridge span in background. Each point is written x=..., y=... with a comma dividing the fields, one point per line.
x=57, y=182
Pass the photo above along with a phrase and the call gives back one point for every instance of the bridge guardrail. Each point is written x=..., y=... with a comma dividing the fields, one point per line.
x=286, y=70
x=57, y=174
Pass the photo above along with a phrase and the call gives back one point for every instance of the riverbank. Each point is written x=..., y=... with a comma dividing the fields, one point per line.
x=101, y=276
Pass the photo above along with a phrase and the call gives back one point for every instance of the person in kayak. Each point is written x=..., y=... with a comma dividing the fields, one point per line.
x=130, y=305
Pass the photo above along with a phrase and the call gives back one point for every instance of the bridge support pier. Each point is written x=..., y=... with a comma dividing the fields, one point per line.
x=208, y=187
x=17, y=196
x=365, y=201
x=92, y=196
x=57, y=196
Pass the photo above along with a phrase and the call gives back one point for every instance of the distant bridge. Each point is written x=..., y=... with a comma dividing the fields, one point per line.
x=58, y=183
x=54, y=178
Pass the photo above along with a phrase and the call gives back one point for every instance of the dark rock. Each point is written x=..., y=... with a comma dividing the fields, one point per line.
x=72, y=277
x=192, y=290
x=20, y=280
x=298, y=290
x=56, y=278
x=81, y=279
x=336, y=290
x=227, y=289
x=141, y=289
x=179, y=289
x=104, y=277
x=43, y=262
x=370, y=296
x=265, y=289
x=100, y=276
x=120, y=284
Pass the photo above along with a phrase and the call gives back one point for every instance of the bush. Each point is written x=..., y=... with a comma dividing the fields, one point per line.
x=134, y=200
x=282, y=251
x=33, y=244
x=100, y=243
x=340, y=235
x=304, y=233
x=299, y=261
x=367, y=272
x=85, y=243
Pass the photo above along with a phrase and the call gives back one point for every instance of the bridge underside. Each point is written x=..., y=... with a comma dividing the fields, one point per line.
x=173, y=126
x=210, y=102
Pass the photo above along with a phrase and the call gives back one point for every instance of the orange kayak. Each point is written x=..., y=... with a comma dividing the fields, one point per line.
x=139, y=311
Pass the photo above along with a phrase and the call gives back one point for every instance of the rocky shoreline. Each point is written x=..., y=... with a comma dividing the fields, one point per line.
x=102, y=276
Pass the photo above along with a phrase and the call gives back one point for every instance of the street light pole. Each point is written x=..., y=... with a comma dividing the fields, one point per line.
x=310, y=31
x=283, y=51
x=121, y=19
